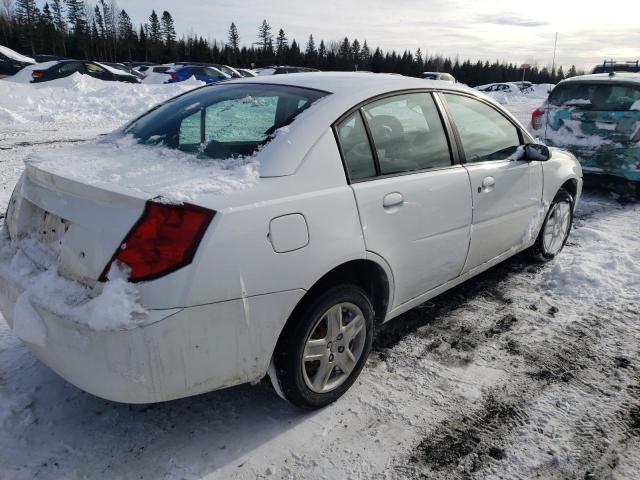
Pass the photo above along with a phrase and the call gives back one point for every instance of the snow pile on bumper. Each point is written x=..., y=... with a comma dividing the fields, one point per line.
x=29, y=268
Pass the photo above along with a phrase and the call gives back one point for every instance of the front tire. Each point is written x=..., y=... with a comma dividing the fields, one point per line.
x=555, y=229
x=324, y=347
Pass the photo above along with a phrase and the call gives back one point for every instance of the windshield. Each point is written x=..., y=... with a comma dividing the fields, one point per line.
x=595, y=96
x=223, y=121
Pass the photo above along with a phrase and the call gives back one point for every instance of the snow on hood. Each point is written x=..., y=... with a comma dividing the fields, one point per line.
x=154, y=170
x=7, y=52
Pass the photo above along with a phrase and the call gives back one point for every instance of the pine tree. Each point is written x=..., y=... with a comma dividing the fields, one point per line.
x=311, y=47
x=76, y=15
x=125, y=32
x=60, y=24
x=344, y=55
x=110, y=30
x=168, y=29
x=233, y=40
x=355, y=51
x=365, y=57
x=27, y=16
x=154, y=28
x=99, y=22
x=282, y=45
x=265, y=38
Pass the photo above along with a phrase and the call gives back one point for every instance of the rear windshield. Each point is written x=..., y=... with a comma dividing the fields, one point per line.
x=223, y=121
x=595, y=96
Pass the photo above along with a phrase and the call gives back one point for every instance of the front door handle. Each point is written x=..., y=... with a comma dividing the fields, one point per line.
x=394, y=199
x=487, y=184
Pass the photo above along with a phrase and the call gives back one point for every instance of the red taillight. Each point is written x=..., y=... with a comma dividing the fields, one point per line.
x=174, y=76
x=163, y=240
x=37, y=75
x=536, y=118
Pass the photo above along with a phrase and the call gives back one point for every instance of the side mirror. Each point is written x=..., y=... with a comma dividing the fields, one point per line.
x=537, y=152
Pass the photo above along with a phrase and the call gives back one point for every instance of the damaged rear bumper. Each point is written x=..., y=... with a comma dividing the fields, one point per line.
x=180, y=352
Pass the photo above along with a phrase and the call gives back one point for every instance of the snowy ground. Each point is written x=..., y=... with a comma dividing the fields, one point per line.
x=527, y=371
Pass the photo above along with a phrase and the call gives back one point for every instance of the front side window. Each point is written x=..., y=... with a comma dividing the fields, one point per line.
x=355, y=147
x=407, y=133
x=223, y=121
x=485, y=133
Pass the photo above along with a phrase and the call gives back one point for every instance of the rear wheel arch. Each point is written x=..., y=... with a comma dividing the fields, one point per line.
x=366, y=274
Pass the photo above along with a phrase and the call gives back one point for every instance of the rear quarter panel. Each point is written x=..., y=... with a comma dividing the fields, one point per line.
x=236, y=258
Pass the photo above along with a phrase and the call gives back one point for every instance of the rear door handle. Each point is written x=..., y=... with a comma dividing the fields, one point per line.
x=394, y=199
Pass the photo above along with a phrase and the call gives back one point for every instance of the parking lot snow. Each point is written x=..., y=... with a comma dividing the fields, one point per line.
x=526, y=371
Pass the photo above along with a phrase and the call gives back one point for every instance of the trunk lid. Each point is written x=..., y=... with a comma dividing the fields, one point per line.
x=84, y=224
x=84, y=199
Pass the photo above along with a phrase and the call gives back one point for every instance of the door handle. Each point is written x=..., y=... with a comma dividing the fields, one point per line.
x=394, y=199
x=487, y=184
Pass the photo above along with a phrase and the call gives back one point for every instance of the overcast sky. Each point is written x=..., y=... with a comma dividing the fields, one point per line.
x=517, y=31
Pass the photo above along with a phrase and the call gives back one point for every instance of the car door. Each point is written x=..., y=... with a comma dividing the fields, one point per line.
x=506, y=191
x=414, y=202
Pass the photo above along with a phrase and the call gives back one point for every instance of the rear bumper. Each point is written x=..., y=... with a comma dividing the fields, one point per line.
x=184, y=352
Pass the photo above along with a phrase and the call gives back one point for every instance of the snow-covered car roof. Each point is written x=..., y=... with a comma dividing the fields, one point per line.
x=7, y=52
x=619, y=77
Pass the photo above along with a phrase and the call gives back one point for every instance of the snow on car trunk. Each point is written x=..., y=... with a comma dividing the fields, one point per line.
x=72, y=210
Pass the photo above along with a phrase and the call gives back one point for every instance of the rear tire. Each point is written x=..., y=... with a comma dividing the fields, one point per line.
x=324, y=347
x=555, y=229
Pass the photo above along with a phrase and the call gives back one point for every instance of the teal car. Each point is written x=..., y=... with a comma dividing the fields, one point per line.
x=597, y=118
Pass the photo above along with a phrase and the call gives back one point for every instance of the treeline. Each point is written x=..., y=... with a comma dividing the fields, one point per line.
x=105, y=32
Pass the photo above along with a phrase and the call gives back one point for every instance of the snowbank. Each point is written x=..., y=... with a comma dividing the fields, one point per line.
x=155, y=170
x=7, y=52
x=80, y=100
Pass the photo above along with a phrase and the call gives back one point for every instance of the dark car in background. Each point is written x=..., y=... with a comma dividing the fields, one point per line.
x=48, y=58
x=12, y=62
x=64, y=68
x=202, y=73
x=123, y=68
x=226, y=69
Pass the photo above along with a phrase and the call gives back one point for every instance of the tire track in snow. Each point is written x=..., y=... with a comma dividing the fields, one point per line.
x=571, y=357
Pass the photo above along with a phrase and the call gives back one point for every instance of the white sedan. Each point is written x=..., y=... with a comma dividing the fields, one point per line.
x=269, y=226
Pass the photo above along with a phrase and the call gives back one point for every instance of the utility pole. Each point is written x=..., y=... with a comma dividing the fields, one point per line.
x=555, y=45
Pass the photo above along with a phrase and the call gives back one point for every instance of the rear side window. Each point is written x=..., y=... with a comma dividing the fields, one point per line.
x=71, y=67
x=355, y=147
x=225, y=120
x=485, y=133
x=407, y=133
x=595, y=96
